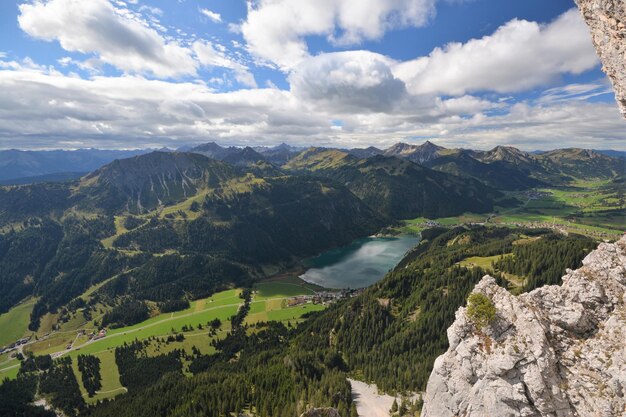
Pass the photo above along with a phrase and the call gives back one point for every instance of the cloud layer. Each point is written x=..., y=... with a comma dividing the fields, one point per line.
x=348, y=81
x=95, y=26
x=275, y=29
x=518, y=56
x=40, y=108
x=459, y=94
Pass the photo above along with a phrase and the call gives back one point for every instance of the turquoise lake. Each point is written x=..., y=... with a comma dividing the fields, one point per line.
x=358, y=265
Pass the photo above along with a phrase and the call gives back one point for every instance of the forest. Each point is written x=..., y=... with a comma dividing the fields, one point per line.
x=390, y=335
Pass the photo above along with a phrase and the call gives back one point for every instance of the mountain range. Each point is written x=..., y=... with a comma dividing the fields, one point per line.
x=238, y=206
x=166, y=227
x=501, y=167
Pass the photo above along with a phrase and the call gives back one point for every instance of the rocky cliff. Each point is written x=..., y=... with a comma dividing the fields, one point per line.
x=607, y=21
x=556, y=351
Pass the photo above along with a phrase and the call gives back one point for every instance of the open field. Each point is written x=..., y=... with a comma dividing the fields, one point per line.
x=280, y=289
x=485, y=262
x=183, y=210
x=420, y=223
x=10, y=372
x=111, y=385
x=593, y=208
x=119, y=230
x=269, y=302
x=14, y=323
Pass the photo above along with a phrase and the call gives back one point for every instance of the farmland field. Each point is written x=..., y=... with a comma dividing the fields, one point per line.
x=593, y=208
x=269, y=302
x=14, y=323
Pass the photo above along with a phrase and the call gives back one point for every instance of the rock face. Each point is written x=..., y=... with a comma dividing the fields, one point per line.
x=607, y=21
x=556, y=351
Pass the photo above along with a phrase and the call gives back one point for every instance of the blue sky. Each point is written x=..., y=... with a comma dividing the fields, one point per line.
x=126, y=74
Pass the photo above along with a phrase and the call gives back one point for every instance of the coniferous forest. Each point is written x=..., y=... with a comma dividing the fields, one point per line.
x=389, y=335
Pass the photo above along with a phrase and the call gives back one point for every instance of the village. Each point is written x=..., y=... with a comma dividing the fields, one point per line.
x=323, y=297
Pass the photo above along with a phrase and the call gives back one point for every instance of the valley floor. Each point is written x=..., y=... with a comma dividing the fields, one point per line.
x=592, y=208
x=270, y=301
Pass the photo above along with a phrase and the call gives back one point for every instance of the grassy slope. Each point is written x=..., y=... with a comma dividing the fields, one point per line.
x=14, y=323
x=269, y=303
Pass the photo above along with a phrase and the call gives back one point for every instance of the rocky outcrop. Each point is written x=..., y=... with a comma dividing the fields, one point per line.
x=321, y=412
x=607, y=21
x=556, y=351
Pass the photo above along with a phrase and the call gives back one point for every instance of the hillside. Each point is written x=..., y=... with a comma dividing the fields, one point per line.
x=557, y=350
x=390, y=335
x=508, y=168
x=142, y=183
x=558, y=167
x=500, y=174
x=206, y=223
x=396, y=187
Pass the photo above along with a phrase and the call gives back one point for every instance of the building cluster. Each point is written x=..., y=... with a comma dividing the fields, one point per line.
x=327, y=297
x=323, y=297
x=95, y=336
x=14, y=345
x=537, y=195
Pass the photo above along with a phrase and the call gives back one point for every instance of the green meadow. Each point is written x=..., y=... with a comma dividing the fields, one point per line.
x=269, y=302
x=14, y=323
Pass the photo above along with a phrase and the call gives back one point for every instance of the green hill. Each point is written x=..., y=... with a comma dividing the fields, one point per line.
x=168, y=226
x=396, y=187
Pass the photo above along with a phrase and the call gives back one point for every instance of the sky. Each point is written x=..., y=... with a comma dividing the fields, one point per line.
x=349, y=73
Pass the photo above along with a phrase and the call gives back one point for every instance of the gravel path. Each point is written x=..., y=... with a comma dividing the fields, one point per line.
x=368, y=402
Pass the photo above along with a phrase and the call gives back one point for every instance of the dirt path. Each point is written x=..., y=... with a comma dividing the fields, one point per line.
x=368, y=402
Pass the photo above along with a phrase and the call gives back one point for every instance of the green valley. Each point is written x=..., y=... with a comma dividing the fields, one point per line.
x=269, y=302
x=174, y=272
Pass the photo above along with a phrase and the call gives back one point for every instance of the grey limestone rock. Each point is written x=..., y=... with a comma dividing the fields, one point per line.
x=556, y=351
x=607, y=21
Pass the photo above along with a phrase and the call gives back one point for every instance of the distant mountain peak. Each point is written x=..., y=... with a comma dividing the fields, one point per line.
x=209, y=146
x=415, y=153
x=243, y=157
x=283, y=147
x=429, y=144
x=365, y=152
x=144, y=182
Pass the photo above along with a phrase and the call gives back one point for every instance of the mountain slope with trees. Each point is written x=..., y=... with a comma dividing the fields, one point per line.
x=397, y=188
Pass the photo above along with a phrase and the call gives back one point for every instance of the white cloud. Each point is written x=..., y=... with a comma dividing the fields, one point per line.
x=39, y=108
x=465, y=105
x=275, y=29
x=92, y=65
x=210, y=55
x=576, y=91
x=348, y=81
x=96, y=26
x=215, y=17
x=518, y=56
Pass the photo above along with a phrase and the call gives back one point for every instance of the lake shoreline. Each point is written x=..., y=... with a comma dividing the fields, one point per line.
x=359, y=264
